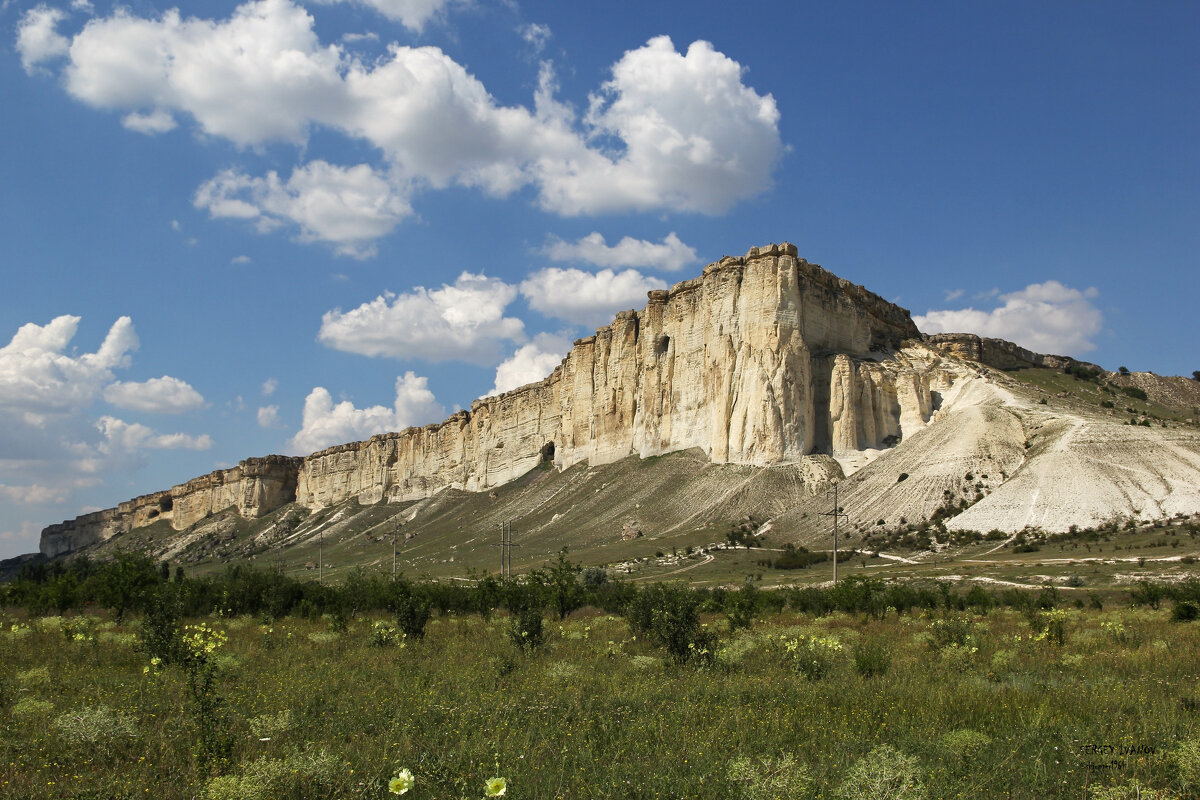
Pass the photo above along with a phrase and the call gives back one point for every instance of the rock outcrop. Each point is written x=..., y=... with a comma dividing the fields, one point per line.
x=762, y=360
x=1000, y=353
x=254, y=487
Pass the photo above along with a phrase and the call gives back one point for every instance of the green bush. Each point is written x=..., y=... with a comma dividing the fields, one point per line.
x=412, y=607
x=965, y=745
x=669, y=615
x=526, y=629
x=1185, y=611
x=871, y=658
x=814, y=657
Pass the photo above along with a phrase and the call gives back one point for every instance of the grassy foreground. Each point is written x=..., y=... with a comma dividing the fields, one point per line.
x=1079, y=703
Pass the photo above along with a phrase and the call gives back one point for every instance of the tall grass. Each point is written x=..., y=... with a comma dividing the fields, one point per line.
x=599, y=711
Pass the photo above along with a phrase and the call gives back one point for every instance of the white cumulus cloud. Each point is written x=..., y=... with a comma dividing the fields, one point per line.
x=1044, y=317
x=268, y=416
x=34, y=494
x=38, y=39
x=412, y=14
x=325, y=423
x=669, y=131
x=37, y=375
x=531, y=362
x=165, y=395
x=348, y=207
x=670, y=254
x=121, y=437
x=695, y=137
x=157, y=121
x=464, y=321
x=535, y=35
x=584, y=298
x=49, y=444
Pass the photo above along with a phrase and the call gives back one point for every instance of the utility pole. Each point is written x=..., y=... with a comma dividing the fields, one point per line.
x=395, y=533
x=506, y=545
x=321, y=557
x=837, y=512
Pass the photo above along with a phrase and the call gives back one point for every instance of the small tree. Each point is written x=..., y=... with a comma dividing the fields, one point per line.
x=562, y=583
x=669, y=614
x=1196, y=375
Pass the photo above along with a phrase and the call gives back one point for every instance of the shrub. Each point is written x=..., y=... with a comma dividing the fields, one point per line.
x=1147, y=593
x=797, y=558
x=1185, y=611
x=32, y=708
x=769, y=778
x=812, y=656
x=883, y=774
x=159, y=633
x=1051, y=626
x=965, y=745
x=525, y=629
x=384, y=635
x=1115, y=631
x=412, y=608
x=1186, y=758
x=35, y=678
x=669, y=614
x=307, y=775
x=271, y=726
x=99, y=728
x=957, y=630
x=1135, y=392
x=525, y=603
x=741, y=607
x=871, y=658
x=979, y=600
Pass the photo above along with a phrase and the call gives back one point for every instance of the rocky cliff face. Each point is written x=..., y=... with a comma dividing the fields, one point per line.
x=762, y=360
x=254, y=487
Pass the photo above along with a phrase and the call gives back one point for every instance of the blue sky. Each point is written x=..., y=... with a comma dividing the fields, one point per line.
x=235, y=229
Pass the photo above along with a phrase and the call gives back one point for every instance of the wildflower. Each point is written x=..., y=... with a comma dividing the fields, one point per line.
x=495, y=787
x=402, y=782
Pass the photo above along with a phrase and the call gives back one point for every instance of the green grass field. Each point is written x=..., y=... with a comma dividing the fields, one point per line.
x=939, y=704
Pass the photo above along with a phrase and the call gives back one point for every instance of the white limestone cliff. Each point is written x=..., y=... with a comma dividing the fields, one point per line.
x=762, y=360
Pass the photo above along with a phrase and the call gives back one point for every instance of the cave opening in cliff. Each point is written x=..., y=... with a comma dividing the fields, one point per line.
x=661, y=344
x=547, y=453
x=166, y=503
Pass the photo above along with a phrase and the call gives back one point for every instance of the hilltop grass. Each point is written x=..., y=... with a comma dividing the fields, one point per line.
x=1095, y=392
x=970, y=706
